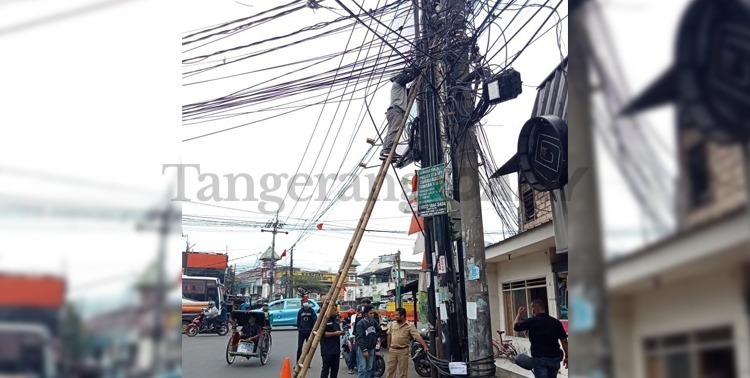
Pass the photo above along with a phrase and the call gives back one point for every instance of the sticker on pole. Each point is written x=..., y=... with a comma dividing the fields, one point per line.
x=473, y=272
x=430, y=198
x=458, y=368
x=441, y=265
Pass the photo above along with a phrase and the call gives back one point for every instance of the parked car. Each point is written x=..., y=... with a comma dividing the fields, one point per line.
x=284, y=311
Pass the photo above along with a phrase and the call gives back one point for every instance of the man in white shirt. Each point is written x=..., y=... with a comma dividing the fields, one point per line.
x=209, y=316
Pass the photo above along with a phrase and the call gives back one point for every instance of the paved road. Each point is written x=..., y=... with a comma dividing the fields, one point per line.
x=203, y=356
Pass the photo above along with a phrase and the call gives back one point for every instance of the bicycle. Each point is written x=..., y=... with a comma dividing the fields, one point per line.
x=504, y=349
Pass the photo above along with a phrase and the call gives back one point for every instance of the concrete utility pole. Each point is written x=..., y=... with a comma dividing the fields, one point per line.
x=474, y=277
x=590, y=351
x=165, y=218
x=275, y=225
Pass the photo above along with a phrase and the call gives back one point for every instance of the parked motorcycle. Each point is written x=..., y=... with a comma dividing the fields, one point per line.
x=419, y=356
x=378, y=369
x=196, y=327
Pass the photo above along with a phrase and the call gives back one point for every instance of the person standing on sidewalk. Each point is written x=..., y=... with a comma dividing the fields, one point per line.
x=329, y=347
x=366, y=332
x=400, y=334
x=306, y=318
x=544, y=333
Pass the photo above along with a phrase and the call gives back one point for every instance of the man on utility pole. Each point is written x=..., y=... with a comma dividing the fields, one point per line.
x=397, y=110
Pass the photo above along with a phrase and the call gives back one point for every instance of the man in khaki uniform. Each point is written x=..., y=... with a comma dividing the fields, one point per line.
x=400, y=334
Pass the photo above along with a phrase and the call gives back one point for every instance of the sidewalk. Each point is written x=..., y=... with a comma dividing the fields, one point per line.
x=507, y=369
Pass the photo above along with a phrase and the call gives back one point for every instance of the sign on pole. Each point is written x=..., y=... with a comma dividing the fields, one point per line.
x=430, y=198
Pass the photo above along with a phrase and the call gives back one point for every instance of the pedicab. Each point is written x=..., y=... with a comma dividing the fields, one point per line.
x=252, y=340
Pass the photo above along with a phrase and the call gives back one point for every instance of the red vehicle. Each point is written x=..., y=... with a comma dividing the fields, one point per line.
x=30, y=324
x=197, y=327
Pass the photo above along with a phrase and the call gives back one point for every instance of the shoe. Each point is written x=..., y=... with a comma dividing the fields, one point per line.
x=351, y=371
x=384, y=155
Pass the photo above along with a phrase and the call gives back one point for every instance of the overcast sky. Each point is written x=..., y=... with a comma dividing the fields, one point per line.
x=250, y=149
x=110, y=82
x=277, y=146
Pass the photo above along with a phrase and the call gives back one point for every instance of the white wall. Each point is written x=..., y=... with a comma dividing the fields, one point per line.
x=494, y=293
x=530, y=266
x=621, y=318
x=713, y=299
x=381, y=288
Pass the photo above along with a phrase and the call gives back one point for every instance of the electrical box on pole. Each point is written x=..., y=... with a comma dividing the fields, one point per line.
x=502, y=87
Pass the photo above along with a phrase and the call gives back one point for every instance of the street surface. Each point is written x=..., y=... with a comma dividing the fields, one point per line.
x=203, y=356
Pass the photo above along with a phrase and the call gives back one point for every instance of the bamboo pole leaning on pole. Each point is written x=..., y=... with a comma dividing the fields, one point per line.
x=308, y=351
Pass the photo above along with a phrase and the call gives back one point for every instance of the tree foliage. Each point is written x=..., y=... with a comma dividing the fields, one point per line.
x=306, y=285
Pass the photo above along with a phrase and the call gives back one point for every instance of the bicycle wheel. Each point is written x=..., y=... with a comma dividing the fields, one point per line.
x=265, y=348
x=498, y=352
x=229, y=357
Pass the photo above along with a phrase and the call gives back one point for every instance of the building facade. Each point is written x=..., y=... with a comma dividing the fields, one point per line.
x=680, y=307
x=381, y=275
x=532, y=264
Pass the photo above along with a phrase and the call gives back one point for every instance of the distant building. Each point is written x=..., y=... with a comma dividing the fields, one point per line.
x=380, y=276
x=121, y=342
x=252, y=283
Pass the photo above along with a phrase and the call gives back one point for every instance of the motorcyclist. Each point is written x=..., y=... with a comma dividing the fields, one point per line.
x=267, y=314
x=210, y=315
x=247, y=305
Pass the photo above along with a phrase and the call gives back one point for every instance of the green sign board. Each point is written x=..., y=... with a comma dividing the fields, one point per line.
x=430, y=194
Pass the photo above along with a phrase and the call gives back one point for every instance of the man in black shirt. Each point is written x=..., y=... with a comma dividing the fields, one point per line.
x=306, y=318
x=544, y=333
x=367, y=302
x=329, y=347
x=366, y=339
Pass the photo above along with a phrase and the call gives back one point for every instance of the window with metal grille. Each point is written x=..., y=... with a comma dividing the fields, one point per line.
x=521, y=293
x=529, y=211
x=699, y=175
x=694, y=354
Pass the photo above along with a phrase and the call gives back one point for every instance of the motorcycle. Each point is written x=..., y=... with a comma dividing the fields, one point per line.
x=378, y=368
x=197, y=327
x=419, y=356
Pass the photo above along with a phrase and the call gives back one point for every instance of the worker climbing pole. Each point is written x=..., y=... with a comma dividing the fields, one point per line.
x=300, y=370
